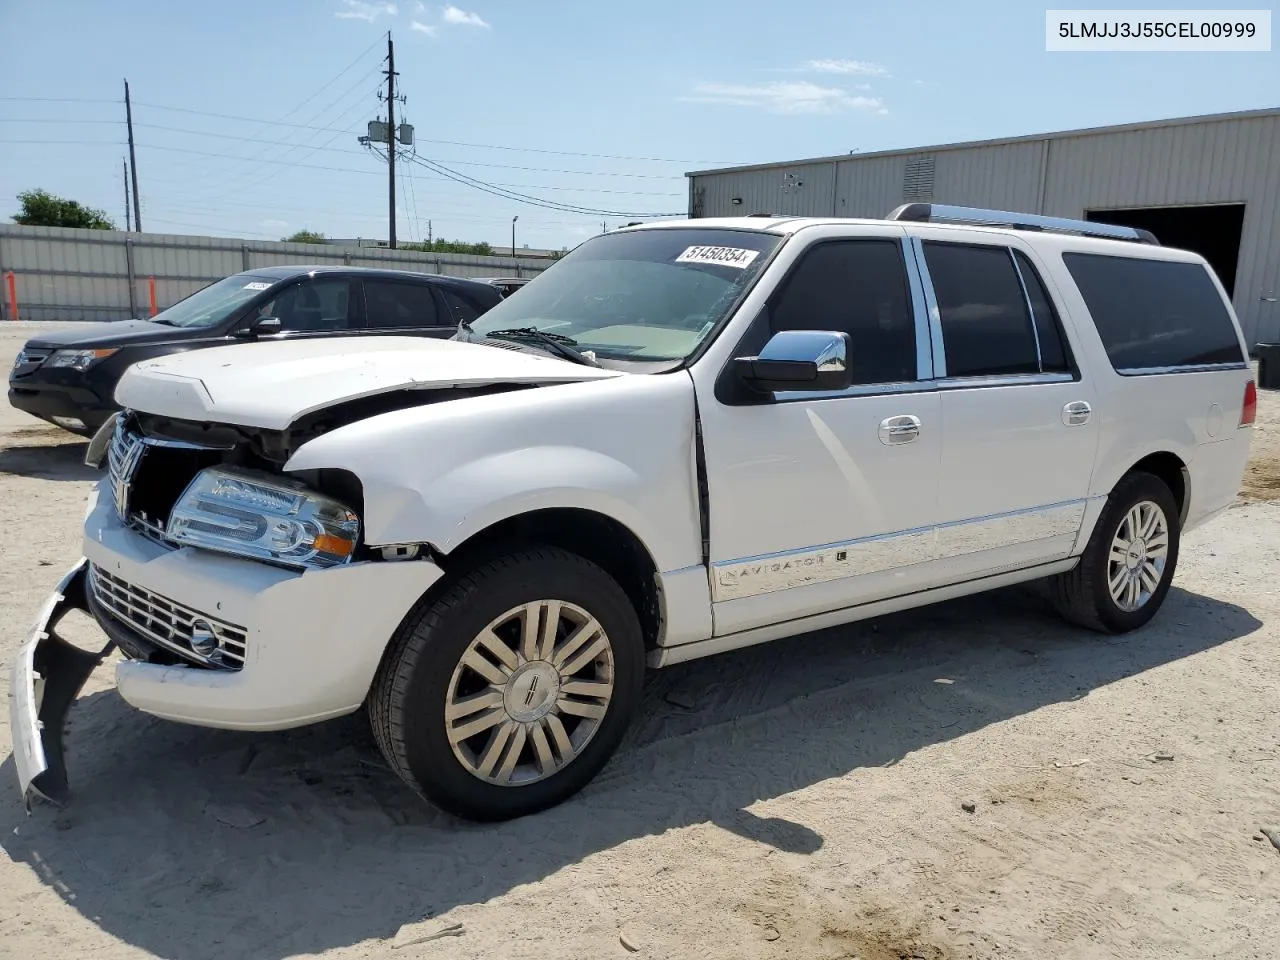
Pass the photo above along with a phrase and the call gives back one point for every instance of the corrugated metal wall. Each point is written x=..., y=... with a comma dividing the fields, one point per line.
x=64, y=274
x=1227, y=160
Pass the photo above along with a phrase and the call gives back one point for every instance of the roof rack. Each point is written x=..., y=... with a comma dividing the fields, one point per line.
x=944, y=213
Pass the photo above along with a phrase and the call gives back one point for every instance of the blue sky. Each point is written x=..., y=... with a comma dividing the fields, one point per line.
x=597, y=105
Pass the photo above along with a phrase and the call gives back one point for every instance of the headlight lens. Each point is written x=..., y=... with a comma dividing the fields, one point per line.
x=80, y=359
x=265, y=518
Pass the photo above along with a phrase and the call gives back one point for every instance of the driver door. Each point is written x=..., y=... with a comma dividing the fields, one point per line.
x=823, y=501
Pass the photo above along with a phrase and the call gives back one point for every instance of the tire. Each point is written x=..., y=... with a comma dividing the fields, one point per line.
x=444, y=657
x=1084, y=595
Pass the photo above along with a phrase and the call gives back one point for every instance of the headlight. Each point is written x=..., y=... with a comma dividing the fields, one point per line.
x=80, y=359
x=265, y=518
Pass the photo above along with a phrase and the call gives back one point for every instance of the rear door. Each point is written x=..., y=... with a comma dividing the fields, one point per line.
x=1020, y=431
x=404, y=308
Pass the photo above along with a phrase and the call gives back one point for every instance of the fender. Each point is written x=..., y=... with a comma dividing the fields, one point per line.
x=623, y=447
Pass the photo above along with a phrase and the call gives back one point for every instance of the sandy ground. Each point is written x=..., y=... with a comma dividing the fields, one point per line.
x=805, y=799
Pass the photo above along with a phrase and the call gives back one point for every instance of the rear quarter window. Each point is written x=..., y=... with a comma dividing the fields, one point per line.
x=1155, y=313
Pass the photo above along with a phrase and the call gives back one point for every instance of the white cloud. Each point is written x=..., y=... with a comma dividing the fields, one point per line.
x=462, y=18
x=419, y=27
x=369, y=12
x=783, y=97
x=858, y=68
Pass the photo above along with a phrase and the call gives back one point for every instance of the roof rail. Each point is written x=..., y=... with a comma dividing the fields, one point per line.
x=944, y=213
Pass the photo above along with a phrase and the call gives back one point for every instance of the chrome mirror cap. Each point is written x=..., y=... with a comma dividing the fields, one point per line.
x=826, y=349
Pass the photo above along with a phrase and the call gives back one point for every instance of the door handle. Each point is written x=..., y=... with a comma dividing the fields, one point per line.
x=901, y=429
x=1076, y=413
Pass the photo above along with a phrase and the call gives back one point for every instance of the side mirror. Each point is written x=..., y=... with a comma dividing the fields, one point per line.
x=262, y=327
x=816, y=360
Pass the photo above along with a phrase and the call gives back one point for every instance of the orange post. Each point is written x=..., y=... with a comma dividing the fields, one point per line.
x=13, y=295
x=151, y=292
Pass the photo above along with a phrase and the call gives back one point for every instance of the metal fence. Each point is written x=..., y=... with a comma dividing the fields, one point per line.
x=57, y=273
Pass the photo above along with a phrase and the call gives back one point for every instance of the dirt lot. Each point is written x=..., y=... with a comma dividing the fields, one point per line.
x=805, y=799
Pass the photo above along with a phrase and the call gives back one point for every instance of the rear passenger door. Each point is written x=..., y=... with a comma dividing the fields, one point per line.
x=403, y=308
x=1019, y=426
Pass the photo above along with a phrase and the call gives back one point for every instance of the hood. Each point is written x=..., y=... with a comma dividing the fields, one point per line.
x=271, y=385
x=115, y=333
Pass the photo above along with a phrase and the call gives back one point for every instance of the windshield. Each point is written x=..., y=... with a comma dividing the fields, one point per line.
x=647, y=295
x=215, y=303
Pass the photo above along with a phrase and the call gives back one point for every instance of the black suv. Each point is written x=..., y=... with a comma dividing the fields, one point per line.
x=68, y=377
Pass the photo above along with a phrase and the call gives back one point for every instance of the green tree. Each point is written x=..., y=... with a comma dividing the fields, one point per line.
x=305, y=236
x=451, y=246
x=40, y=208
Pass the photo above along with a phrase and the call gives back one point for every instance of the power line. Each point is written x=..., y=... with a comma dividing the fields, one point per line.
x=460, y=163
x=524, y=186
x=281, y=154
x=447, y=143
x=57, y=100
x=53, y=119
x=496, y=190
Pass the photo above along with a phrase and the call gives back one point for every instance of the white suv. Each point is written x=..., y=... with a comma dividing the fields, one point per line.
x=681, y=439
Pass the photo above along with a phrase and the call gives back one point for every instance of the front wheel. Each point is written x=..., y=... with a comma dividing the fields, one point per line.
x=511, y=690
x=1125, y=571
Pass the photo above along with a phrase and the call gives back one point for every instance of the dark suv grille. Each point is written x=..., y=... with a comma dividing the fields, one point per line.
x=29, y=358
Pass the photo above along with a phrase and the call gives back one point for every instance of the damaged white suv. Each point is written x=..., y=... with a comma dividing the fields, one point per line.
x=682, y=439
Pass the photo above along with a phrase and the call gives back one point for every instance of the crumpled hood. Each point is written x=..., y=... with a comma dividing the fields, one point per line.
x=270, y=385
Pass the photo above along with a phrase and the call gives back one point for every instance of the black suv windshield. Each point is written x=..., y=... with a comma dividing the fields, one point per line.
x=215, y=303
x=648, y=295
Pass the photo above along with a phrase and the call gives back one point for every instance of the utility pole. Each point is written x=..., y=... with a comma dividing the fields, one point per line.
x=391, y=141
x=133, y=159
x=430, y=239
x=124, y=166
x=513, y=236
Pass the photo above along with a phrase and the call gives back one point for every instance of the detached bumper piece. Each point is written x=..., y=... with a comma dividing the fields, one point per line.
x=46, y=678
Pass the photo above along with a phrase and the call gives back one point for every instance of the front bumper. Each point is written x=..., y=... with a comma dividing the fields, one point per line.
x=45, y=398
x=313, y=641
x=45, y=679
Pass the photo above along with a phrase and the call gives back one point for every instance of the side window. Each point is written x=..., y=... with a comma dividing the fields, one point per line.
x=858, y=287
x=312, y=305
x=389, y=303
x=1155, y=313
x=985, y=327
x=1054, y=357
x=462, y=308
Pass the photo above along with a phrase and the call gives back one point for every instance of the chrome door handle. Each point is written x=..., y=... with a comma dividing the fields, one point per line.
x=1074, y=414
x=902, y=429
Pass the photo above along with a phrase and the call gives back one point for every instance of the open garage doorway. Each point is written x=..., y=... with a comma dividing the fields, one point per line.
x=1212, y=231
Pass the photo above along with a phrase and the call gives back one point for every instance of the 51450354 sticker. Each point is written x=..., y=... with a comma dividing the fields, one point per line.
x=720, y=256
x=257, y=285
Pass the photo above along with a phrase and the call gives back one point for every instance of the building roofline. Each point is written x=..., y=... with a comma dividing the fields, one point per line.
x=1001, y=141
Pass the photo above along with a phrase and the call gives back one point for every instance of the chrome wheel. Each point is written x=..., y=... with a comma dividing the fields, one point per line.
x=1139, y=551
x=529, y=693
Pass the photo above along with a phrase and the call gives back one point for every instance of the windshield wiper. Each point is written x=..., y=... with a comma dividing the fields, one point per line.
x=555, y=343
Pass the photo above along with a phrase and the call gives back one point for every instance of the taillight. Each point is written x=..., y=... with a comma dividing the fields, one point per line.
x=1249, y=411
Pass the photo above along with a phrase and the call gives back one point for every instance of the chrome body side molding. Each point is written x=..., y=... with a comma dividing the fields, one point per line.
x=753, y=576
x=667, y=656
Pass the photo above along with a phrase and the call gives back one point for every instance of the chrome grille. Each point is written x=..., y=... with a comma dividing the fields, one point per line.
x=124, y=453
x=165, y=623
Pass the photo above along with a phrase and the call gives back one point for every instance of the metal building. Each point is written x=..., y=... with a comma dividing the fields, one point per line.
x=1209, y=184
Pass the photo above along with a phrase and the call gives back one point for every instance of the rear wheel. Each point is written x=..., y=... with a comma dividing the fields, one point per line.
x=511, y=690
x=1127, y=567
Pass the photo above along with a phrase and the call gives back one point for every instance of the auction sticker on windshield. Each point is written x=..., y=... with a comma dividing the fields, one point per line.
x=257, y=285
x=721, y=256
